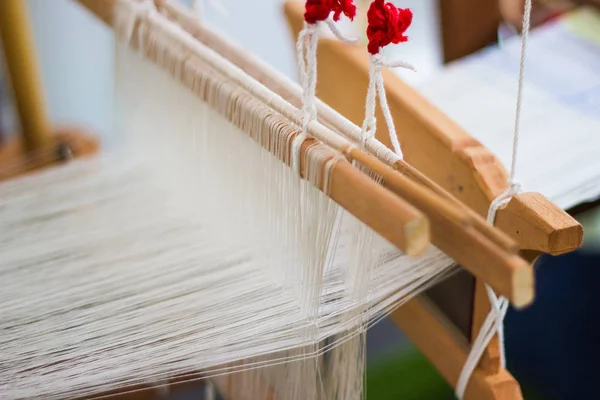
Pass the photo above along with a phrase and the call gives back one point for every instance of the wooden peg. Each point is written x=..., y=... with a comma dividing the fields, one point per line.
x=23, y=70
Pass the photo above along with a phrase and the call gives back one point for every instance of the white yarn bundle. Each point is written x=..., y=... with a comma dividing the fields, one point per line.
x=192, y=252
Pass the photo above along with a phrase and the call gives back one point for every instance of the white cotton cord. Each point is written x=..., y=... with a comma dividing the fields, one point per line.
x=306, y=54
x=280, y=80
x=377, y=88
x=338, y=34
x=494, y=323
x=210, y=393
x=524, y=39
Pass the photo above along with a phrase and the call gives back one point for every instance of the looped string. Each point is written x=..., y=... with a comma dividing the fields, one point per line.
x=338, y=34
x=306, y=49
x=494, y=322
x=306, y=52
x=503, y=199
x=377, y=88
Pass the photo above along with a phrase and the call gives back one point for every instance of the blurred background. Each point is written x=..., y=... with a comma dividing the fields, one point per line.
x=552, y=346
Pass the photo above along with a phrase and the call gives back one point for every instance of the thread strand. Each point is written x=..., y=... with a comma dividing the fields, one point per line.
x=494, y=323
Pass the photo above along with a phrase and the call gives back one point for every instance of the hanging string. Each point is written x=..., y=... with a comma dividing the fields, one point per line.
x=494, y=322
x=317, y=12
x=386, y=24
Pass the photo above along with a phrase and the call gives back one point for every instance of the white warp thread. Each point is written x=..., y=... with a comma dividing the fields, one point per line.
x=494, y=323
x=245, y=258
x=377, y=88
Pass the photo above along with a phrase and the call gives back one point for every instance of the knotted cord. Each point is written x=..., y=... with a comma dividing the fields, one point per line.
x=494, y=323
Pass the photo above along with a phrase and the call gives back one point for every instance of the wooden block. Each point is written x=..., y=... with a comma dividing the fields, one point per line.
x=65, y=143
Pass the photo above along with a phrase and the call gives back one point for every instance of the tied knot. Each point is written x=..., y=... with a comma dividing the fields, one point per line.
x=310, y=29
x=386, y=24
x=514, y=187
x=378, y=60
x=369, y=128
x=319, y=10
x=503, y=199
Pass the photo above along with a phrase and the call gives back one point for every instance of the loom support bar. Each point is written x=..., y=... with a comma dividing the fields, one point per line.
x=22, y=65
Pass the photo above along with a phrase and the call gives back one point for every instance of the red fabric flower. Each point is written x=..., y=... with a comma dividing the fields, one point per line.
x=319, y=10
x=387, y=24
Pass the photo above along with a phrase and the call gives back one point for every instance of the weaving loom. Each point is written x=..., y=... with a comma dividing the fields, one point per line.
x=246, y=252
x=456, y=162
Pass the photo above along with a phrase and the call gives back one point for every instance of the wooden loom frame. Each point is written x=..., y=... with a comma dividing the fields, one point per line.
x=561, y=231
x=512, y=276
x=455, y=227
x=453, y=159
x=39, y=143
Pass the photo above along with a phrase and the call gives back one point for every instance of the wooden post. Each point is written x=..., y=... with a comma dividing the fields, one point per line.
x=22, y=65
x=467, y=26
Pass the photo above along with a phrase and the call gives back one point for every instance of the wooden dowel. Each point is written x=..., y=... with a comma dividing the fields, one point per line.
x=254, y=68
x=392, y=217
x=508, y=274
x=21, y=61
x=389, y=215
x=451, y=209
x=495, y=235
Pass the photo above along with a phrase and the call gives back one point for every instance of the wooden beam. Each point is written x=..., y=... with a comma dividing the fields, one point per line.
x=467, y=26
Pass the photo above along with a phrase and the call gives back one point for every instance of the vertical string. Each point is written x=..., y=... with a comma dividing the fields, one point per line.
x=494, y=322
x=306, y=54
x=377, y=89
x=525, y=37
x=387, y=24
